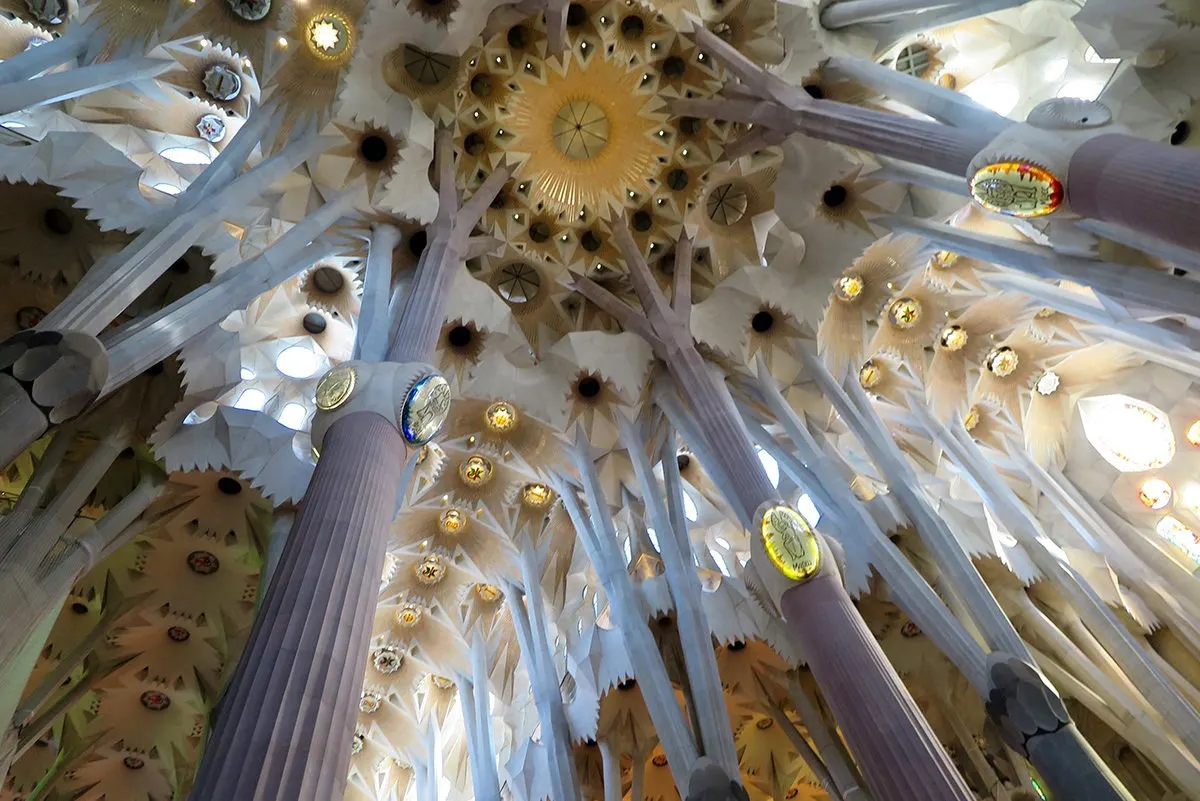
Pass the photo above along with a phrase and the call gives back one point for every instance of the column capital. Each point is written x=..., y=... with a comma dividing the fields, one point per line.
x=61, y=372
x=1023, y=171
x=413, y=397
x=1021, y=702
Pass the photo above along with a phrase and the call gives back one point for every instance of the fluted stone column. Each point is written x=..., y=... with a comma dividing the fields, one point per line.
x=1138, y=184
x=285, y=725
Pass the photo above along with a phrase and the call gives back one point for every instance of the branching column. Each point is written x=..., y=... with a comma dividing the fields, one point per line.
x=285, y=727
x=899, y=754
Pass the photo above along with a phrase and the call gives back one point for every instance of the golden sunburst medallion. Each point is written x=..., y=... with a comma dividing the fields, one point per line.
x=972, y=418
x=452, y=521
x=849, y=288
x=488, y=593
x=1017, y=189
x=335, y=387
x=430, y=570
x=953, y=337
x=1002, y=361
x=790, y=543
x=870, y=374
x=536, y=495
x=904, y=312
x=441, y=682
x=501, y=417
x=408, y=615
x=476, y=471
x=329, y=35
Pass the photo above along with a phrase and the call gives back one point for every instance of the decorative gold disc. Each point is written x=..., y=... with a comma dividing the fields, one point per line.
x=335, y=387
x=791, y=543
x=1017, y=189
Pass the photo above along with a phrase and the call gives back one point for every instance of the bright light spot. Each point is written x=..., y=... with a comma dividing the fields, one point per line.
x=995, y=95
x=167, y=189
x=324, y=35
x=248, y=374
x=1054, y=549
x=12, y=125
x=1092, y=57
x=720, y=560
x=1086, y=88
x=252, y=400
x=724, y=543
x=1154, y=493
x=1189, y=496
x=185, y=155
x=628, y=550
x=1130, y=434
x=689, y=508
x=297, y=362
x=653, y=538
x=200, y=414
x=1055, y=68
x=770, y=466
x=1178, y=534
x=808, y=510
x=293, y=415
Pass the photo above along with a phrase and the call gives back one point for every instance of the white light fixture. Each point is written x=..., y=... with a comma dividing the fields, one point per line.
x=248, y=374
x=185, y=155
x=1132, y=435
x=251, y=400
x=166, y=188
x=297, y=362
x=12, y=125
x=293, y=415
x=770, y=466
x=999, y=96
x=200, y=414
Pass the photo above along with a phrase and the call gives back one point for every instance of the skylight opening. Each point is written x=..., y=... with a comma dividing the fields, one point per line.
x=770, y=466
x=297, y=362
x=293, y=415
x=252, y=400
x=185, y=155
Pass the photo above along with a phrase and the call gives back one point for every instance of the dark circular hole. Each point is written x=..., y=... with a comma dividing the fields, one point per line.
x=591, y=243
x=632, y=27
x=642, y=220
x=58, y=221
x=373, y=149
x=539, y=232
x=328, y=280
x=737, y=645
x=314, y=323
x=1181, y=133
x=474, y=143
x=229, y=486
x=834, y=196
x=677, y=179
x=481, y=85
x=690, y=125
x=79, y=608
x=180, y=266
x=417, y=242
x=682, y=461
x=499, y=200
x=762, y=321
x=518, y=36
x=628, y=684
x=576, y=15
x=459, y=336
x=674, y=66
x=588, y=387
x=814, y=91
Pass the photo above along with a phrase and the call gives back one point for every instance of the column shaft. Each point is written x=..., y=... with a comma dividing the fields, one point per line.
x=285, y=726
x=899, y=755
x=1142, y=185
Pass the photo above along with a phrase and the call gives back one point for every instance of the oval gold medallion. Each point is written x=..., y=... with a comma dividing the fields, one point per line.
x=335, y=387
x=790, y=543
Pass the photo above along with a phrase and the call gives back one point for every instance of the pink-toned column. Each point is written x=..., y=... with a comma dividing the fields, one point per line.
x=898, y=753
x=283, y=729
x=1141, y=185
